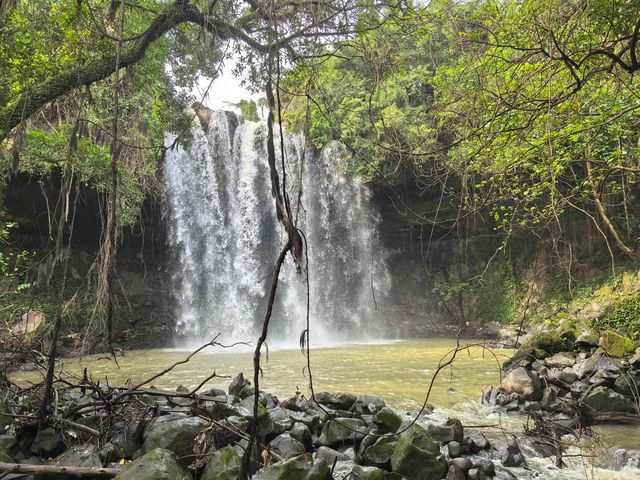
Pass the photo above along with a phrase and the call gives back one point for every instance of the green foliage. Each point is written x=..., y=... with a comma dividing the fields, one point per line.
x=497, y=297
x=622, y=317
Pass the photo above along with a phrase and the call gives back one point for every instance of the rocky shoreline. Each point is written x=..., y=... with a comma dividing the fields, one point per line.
x=183, y=435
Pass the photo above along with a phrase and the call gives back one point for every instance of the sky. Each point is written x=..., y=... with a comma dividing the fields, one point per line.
x=225, y=88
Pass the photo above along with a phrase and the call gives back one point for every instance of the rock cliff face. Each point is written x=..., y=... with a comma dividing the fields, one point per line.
x=144, y=310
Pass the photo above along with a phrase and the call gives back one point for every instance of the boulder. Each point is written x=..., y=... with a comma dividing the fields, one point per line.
x=49, y=442
x=361, y=472
x=560, y=360
x=380, y=452
x=454, y=473
x=523, y=382
x=388, y=420
x=587, y=339
x=462, y=463
x=29, y=323
x=452, y=430
x=454, y=448
x=511, y=456
x=615, y=345
x=157, y=464
x=302, y=467
x=286, y=447
x=603, y=399
x=477, y=441
x=367, y=404
x=329, y=455
x=341, y=430
x=223, y=464
x=563, y=378
x=301, y=433
x=238, y=384
x=627, y=384
x=417, y=456
x=176, y=435
x=476, y=474
x=486, y=465
x=594, y=363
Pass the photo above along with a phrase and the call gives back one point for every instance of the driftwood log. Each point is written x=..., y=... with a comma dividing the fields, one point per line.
x=73, y=472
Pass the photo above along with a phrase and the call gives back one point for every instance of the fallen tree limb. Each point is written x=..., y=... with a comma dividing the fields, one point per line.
x=78, y=472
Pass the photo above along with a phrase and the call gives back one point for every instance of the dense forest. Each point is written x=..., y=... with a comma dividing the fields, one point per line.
x=497, y=144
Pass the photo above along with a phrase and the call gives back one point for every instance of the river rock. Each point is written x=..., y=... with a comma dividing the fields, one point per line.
x=454, y=448
x=286, y=447
x=302, y=467
x=476, y=474
x=48, y=442
x=361, y=472
x=615, y=345
x=176, y=435
x=563, y=378
x=157, y=464
x=455, y=473
x=463, y=463
x=477, y=441
x=417, y=456
x=341, y=430
x=301, y=433
x=223, y=464
x=367, y=404
x=388, y=420
x=627, y=384
x=451, y=430
x=594, y=363
x=560, y=360
x=329, y=455
x=603, y=399
x=380, y=452
x=486, y=465
x=238, y=384
x=523, y=382
x=511, y=456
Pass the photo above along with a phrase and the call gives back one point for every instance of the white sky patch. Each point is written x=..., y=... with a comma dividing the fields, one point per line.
x=224, y=90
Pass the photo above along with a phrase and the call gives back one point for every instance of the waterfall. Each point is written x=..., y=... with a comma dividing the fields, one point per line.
x=224, y=238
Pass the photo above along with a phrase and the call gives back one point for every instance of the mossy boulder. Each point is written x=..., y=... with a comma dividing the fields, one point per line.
x=158, y=464
x=388, y=420
x=49, y=442
x=224, y=464
x=302, y=467
x=417, y=456
x=380, y=452
x=615, y=345
x=177, y=435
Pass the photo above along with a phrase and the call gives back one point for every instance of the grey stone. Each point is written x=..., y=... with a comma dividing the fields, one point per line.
x=302, y=467
x=462, y=463
x=560, y=360
x=157, y=464
x=454, y=473
x=417, y=456
x=177, y=436
x=223, y=464
x=477, y=440
x=451, y=430
x=388, y=420
x=511, y=455
x=602, y=399
x=49, y=442
x=301, y=433
x=486, y=465
x=594, y=363
x=381, y=451
x=286, y=447
x=361, y=472
x=329, y=455
x=454, y=448
x=238, y=384
x=367, y=404
x=522, y=381
x=476, y=474
x=342, y=430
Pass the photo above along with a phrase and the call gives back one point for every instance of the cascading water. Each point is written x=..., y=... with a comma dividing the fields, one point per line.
x=224, y=239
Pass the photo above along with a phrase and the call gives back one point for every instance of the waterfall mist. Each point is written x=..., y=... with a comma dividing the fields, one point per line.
x=224, y=238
